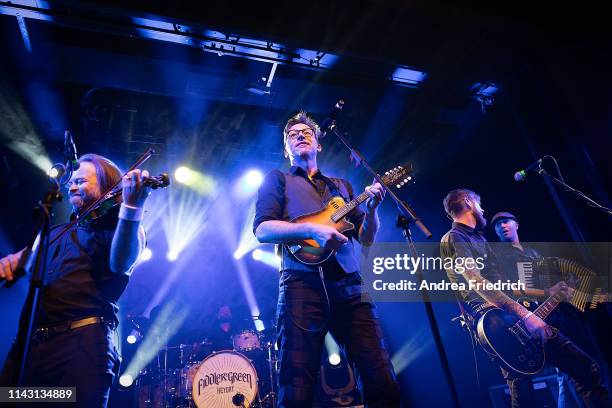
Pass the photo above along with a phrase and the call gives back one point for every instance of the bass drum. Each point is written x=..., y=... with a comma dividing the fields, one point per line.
x=226, y=379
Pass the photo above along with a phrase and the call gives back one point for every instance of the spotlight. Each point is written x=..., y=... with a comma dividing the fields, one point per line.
x=248, y=184
x=267, y=257
x=53, y=172
x=200, y=183
x=183, y=175
x=334, y=359
x=333, y=350
x=254, y=178
x=146, y=254
x=172, y=256
x=131, y=339
x=259, y=324
x=126, y=380
x=257, y=254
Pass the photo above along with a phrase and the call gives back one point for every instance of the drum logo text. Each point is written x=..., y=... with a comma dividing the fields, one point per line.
x=217, y=378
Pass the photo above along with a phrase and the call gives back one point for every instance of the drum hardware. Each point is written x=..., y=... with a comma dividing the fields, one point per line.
x=183, y=375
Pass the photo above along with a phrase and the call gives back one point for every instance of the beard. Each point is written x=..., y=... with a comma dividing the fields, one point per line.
x=481, y=221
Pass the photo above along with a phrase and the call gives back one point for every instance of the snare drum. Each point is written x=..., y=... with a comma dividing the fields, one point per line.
x=246, y=340
x=224, y=378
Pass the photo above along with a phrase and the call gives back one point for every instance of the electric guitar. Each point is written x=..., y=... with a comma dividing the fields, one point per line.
x=505, y=336
x=334, y=214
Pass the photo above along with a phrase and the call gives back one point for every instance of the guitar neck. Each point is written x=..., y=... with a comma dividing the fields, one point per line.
x=350, y=206
x=548, y=306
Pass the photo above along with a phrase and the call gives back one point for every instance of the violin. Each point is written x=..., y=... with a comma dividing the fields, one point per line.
x=104, y=205
x=113, y=199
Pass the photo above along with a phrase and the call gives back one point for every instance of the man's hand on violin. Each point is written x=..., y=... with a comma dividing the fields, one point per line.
x=135, y=192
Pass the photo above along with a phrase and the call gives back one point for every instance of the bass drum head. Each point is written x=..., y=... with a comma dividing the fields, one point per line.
x=223, y=378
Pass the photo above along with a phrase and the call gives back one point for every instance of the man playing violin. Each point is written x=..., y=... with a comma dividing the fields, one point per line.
x=87, y=270
x=316, y=299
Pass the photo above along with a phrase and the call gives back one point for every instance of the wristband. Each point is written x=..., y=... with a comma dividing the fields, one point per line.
x=130, y=213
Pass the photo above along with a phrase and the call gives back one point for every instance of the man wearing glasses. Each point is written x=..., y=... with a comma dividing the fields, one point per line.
x=314, y=300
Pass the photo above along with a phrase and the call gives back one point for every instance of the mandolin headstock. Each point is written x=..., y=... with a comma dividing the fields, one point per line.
x=399, y=176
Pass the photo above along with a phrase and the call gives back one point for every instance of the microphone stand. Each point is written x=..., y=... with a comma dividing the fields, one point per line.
x=560, y=182
x=406, y=218
x=34, y=259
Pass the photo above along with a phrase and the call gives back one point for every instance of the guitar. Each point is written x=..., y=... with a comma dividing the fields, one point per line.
x=505, y=337
x=333, y=214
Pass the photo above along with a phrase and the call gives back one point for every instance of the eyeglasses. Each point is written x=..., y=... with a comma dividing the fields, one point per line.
x=308, y=133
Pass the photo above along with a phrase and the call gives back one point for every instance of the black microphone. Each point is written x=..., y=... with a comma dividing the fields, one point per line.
x=331, y=118
x=70, y=152
x=521, y=175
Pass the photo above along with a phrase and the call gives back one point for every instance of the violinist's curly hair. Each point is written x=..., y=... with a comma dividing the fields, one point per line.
x=107, y=172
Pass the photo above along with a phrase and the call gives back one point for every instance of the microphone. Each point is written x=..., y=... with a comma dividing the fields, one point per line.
x=70, y=152
x=331, y=118
x=521, y=175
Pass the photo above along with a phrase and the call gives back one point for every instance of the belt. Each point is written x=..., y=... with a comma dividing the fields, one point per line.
x=47, y=332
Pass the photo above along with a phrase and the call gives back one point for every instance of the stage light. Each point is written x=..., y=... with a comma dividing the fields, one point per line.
x=145, y=255
x=407, y=76
x=248, y=184
x=53, y=172
x=259, y=324
x=333, y=350
x=257, y=254
x=131, y=339
x=172, y=255
x=334, y=359
x=183, y=175
x=254, y=178
x=267, y=257
x=126, y=380
x=198, y=182
x=168, y=321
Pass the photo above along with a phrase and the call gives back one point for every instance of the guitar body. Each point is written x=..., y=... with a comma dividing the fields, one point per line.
x=308, y=251
x=511, y=345
x=334, y=215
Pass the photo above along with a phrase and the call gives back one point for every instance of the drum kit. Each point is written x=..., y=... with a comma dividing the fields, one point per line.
x=196, y=376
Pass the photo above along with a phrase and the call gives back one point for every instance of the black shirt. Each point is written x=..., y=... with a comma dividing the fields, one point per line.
x=467, y=242
x=286, y=196
x=79, y=282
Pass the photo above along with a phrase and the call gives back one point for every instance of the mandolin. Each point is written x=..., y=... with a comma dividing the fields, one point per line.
x=334, y=214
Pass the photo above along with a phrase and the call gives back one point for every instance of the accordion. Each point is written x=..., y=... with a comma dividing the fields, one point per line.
x=545, y=272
